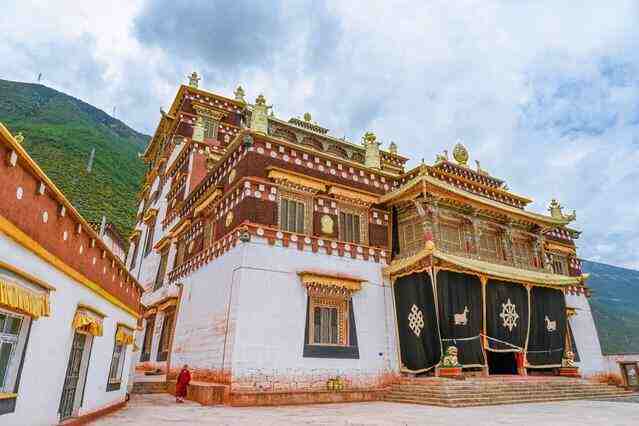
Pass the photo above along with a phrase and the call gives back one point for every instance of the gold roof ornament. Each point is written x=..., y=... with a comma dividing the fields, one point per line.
x=460, y=154
x=442, y=157
x=392, y=148
x=19, y=137
x=194, y=80
x=371, y=157
x=307, y=116
x=239, y=94
x=556, y=211
x=260, y=100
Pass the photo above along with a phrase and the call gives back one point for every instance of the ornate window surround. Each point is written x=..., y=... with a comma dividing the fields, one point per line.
x=333, y=292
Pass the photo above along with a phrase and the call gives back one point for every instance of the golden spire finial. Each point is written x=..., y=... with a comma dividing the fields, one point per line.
x=369, y=138
x=307, y=116
x=460, y=154
x=260, y=100
x=239, y=94
x=392, y=148
x=194, y=80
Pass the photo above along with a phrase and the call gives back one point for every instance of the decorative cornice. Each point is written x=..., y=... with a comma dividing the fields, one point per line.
x=277, y=173
x=325, y=280
x=351, y=194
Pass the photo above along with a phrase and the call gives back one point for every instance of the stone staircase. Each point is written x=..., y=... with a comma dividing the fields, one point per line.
x=149, y=387
x=497, y=390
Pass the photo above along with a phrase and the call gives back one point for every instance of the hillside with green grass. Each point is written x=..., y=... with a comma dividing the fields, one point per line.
x=60, y=131
x=615, y=306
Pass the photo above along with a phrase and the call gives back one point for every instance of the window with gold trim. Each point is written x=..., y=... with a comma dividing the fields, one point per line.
x=292, y=215
x=411, y=235
x=450, y=237
x=489, y=245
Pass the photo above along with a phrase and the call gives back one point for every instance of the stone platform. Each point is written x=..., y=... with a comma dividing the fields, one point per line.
x=497, y=390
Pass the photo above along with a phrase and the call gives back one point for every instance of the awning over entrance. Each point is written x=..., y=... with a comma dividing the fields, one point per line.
x=488, y=269
x=88, y=320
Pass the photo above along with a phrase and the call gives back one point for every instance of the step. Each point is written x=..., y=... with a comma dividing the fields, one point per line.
x=514, y=400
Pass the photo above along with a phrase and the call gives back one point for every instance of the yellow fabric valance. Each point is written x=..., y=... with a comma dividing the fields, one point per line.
x=171, y=302
x=124, y=336
x=14, y=296
x=88, y=322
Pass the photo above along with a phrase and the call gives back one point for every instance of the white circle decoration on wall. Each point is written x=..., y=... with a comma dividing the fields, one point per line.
x=19, y=193
x=45, y=217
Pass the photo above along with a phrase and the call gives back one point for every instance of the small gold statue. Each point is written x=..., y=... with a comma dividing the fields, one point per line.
x=450, y=360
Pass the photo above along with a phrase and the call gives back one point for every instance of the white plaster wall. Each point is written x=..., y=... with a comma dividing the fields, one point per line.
x=271, y=318
x=50, y=341
x=206, y=315
x=586, y=338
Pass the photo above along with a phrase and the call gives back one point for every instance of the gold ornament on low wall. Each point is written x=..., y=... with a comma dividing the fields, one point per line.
x=451, y=360
x=335, y=384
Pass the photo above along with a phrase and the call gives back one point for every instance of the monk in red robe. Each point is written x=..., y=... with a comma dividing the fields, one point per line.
x=183, y=380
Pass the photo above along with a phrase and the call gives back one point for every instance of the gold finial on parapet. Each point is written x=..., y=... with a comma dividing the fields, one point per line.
x=19, y=137
x=556, y=211
x=442, y=157
x=372, y=157
x=392, y=148
x=259, y=116
x=239, y=94
x=194, y=80
x=460, y=154
x=307, y=117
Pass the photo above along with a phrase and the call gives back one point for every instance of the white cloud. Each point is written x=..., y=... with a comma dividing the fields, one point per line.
x=545, y=93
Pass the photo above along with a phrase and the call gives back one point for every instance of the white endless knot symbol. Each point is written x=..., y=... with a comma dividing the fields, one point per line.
x=416, y=320
x=509, y=315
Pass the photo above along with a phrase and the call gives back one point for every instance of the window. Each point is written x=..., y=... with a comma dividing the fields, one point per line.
x=330, y=329
x=326, y=330
x=522, y=253
x=450, y=237
x=559, y=264
x=134, y=257
x=11, y=348
x=411, y=236
x=292, y=216
x=148, y=339
x=159, y=277
x=349, y=228
x=488, y=244
x=210, y=127
x=148, y=240
x=165, y=338
x=179, y=255
x=117, y=365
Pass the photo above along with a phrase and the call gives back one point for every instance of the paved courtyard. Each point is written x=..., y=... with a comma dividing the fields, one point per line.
x=159, y=410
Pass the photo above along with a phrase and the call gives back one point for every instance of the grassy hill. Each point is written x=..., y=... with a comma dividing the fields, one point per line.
x=60, y=131
x=615, y=306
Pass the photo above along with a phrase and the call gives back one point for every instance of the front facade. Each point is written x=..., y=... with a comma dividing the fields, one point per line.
x=68, y=307
x=280, y=261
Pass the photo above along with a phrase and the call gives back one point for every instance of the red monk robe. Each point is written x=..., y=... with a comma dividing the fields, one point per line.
x=183, y=380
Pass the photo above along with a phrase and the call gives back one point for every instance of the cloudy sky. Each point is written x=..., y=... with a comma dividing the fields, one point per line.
x=544, y=93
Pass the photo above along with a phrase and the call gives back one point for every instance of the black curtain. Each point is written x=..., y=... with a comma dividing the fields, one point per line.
x=547, y=327
x=419, y=341
x=460, y=315
x=506, y=316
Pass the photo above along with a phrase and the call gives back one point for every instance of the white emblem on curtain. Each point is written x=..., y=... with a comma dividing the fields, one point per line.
x=550, y=325
x=462, y=319
x=509, y=315
x=416, y=320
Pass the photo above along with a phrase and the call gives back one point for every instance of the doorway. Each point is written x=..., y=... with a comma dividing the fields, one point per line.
x=501, y=362
x=73, y=388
